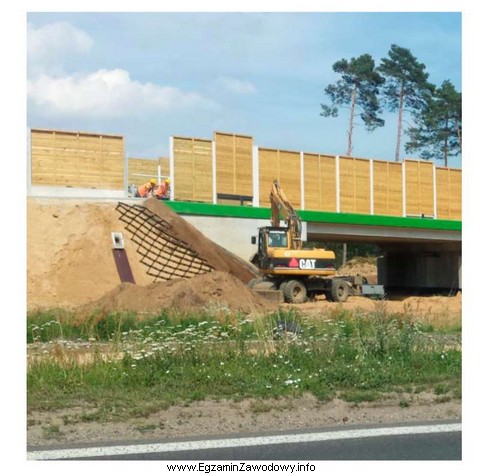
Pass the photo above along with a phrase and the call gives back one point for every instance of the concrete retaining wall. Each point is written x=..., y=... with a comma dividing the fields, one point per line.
x=234, y=234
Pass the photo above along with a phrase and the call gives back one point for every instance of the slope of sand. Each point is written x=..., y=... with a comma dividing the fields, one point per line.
x=69, y=251
x=219, y=258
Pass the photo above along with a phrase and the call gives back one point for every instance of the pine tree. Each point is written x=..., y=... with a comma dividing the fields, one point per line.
x=406, y=87
x=437, y=132
x=357, y=88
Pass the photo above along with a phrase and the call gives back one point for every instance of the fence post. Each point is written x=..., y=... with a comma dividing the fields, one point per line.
x=126, y=174
x=371, y=180
x=403, y=165
x=29, y=161
x=213, y=169
x=435, y=194
x=337, y=184
x=171, y=167
x=256, y=177
x=302, y=182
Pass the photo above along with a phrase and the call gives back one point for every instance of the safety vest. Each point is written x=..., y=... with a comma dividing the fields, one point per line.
x=144, y=189
x=162, y=190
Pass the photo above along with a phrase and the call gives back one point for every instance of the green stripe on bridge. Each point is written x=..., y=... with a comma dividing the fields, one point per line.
x=261, y=213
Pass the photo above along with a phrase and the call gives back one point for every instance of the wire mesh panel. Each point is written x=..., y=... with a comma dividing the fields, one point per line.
x=164, y=256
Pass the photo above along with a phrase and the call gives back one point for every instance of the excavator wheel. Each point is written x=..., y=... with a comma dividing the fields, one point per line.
x=282, y=287
x=339, y=290
x=294, y=291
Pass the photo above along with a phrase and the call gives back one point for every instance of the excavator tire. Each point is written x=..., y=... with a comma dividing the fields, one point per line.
x=294, y=291
x=339, y=291
x=282, y=287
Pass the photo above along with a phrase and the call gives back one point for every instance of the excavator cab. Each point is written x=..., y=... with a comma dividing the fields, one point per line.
x=273, y=237
x=277, y=238
x=270, y=239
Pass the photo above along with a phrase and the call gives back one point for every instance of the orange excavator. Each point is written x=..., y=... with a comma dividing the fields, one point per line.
x=285, y=265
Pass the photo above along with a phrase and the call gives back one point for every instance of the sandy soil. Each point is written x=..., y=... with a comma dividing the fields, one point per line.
x=436, y=310
x=69, y=252
x=203, y=291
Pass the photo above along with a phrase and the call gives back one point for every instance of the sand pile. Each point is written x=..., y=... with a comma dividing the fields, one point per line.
x=360, y=266
x=69, y=250
x=205, y=291
x=216, y=256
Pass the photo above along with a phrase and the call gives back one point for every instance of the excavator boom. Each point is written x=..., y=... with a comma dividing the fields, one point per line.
x=281, y=206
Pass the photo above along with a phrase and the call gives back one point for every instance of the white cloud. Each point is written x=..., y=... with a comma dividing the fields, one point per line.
x=49, y=44
x=236, y=86
x=107, y=93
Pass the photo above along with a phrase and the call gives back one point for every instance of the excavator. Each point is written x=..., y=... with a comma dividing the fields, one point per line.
x=299, y=273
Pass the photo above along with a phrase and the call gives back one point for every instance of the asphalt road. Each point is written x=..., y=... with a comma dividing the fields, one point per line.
x=428, y=441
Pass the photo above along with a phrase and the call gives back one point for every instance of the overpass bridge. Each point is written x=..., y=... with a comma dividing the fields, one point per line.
x=416, y=252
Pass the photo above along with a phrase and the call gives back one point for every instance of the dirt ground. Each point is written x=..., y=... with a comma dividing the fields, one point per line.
x=246, y=417
x=70, y=265
x=435, y=310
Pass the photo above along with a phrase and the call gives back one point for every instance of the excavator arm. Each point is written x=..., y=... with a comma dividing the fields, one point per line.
x=281, y=207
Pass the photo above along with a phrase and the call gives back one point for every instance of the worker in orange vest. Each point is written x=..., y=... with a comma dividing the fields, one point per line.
x=146, y=189
x=162, y=190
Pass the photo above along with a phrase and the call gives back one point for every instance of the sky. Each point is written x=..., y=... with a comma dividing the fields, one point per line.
x=149, y=76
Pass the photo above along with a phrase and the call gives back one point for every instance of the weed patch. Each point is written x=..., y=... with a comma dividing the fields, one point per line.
x=181, y=358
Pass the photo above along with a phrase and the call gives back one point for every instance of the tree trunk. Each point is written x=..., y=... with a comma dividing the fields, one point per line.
x=446, y=143
x=351, y=122
x=399, y=122
x=458, y=131
x=349, y=153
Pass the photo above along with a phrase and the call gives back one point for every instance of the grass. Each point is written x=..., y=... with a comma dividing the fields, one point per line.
x=153, y=363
